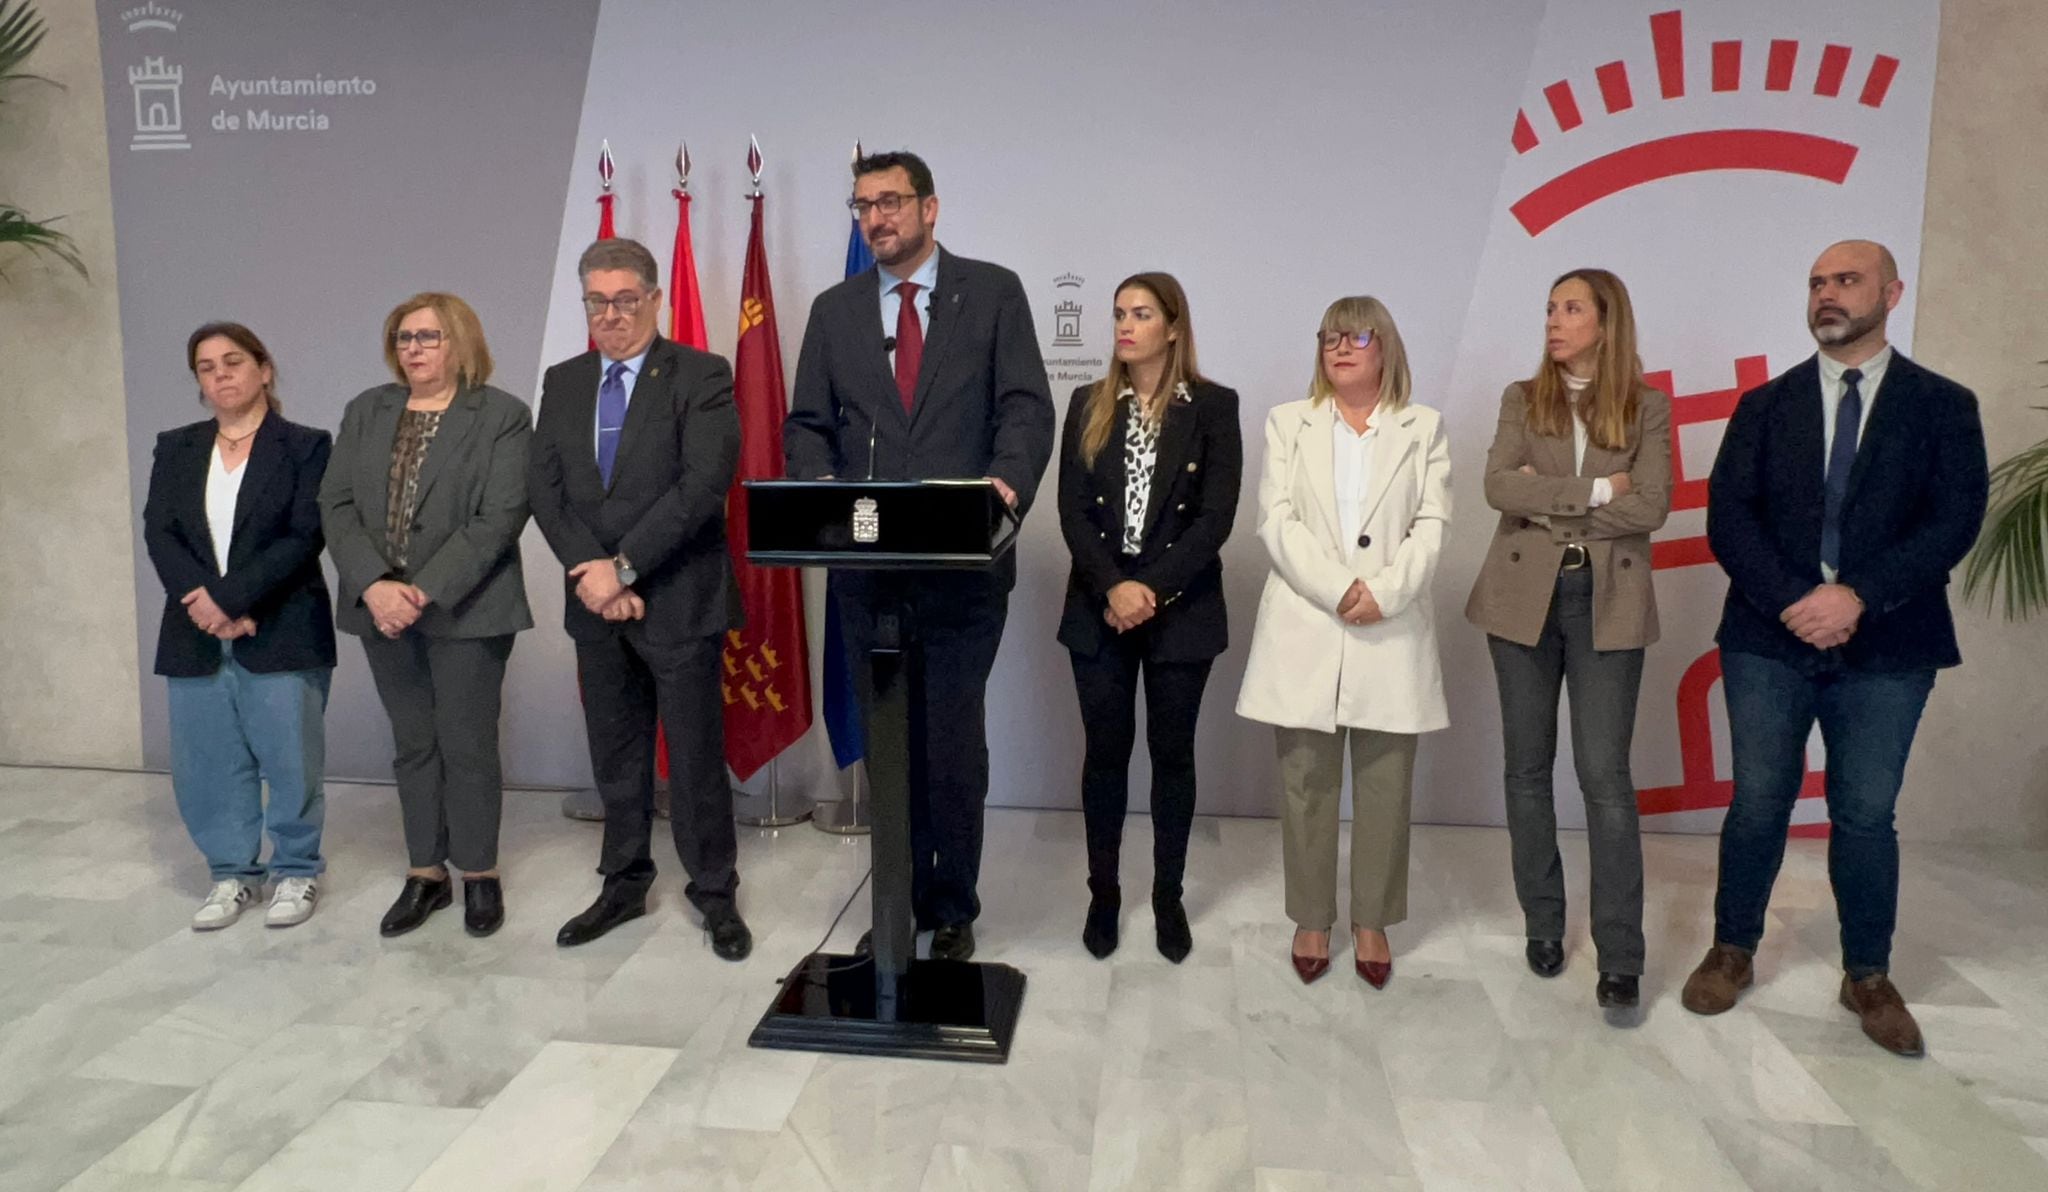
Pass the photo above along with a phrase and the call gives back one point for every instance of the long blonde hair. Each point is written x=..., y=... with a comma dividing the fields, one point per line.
x=1612, y=403
x=1098, y=417
x=1351, y=316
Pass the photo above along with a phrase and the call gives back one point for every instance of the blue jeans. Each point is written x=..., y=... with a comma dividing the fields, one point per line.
x=1867, y=721
x=230, y=732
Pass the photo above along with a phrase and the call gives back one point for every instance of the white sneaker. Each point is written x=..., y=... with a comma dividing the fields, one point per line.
x=224, y=904
x=292, y=904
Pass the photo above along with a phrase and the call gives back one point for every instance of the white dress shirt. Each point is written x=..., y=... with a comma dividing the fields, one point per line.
x=222, y=488
x=1351, y=469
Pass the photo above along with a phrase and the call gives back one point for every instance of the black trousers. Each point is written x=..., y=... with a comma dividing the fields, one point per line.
x=958, y=622
x=1107, y=684
x=443, y=695
x=628, y=683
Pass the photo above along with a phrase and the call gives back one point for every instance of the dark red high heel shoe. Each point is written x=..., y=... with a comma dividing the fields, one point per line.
x=1308, y=968
x=1376, y=972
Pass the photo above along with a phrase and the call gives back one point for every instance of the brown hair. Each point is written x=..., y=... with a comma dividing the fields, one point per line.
x=1098, y=417
x=465, y=337
x=1617, y=371
x=1351, y=316
x=242, y=338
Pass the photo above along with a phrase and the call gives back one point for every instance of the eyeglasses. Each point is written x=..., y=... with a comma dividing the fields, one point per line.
x=626, y=304
x=1332, y=340
x=425, y=339
x=888, y=204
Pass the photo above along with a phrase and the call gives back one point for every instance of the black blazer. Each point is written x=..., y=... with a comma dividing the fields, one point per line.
x=1916, y=499
x=983, y=406
x=464, y=551
x=665, y=509
x=1188, y=515
x=273, y=555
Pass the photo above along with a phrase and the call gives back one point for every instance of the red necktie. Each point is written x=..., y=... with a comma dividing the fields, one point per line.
x=909, y=342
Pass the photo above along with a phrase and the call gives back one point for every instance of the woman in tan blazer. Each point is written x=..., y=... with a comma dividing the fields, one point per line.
x=1580, y=470
x=1353, y=505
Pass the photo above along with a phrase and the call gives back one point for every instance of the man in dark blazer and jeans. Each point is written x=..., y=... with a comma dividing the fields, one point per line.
x=927, y=367
x=1844, y=493
x=636, y=446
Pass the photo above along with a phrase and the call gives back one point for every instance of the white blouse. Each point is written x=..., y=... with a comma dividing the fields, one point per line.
x=222, y=487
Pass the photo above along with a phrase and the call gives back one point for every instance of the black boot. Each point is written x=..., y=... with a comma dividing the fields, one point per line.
x=1099, y=934
x=1171, y=923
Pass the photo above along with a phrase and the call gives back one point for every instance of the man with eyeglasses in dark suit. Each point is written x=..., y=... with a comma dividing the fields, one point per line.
x=923, y=367
x=636, y=446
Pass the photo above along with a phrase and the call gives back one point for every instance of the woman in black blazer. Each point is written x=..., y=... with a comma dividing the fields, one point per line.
x=1150, y=460
x=246, y=643
x=423, y=508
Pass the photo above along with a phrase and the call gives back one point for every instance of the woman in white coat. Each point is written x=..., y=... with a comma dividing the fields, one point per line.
x=1353, y=506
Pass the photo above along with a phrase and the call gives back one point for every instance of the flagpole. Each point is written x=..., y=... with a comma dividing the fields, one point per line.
x=770, y=809
x=584, y=803
x=853, y=813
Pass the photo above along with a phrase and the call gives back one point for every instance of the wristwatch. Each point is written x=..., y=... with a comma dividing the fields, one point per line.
x=627, y=575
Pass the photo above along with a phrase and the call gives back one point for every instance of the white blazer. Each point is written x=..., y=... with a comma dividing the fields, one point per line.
x=1308, y=669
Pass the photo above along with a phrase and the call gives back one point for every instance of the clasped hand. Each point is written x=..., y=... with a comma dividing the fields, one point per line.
x=598, y=587
x=1131, y=604
x=200, y=606
x=1825, y=617
x=394, y=605
x=1358, y=606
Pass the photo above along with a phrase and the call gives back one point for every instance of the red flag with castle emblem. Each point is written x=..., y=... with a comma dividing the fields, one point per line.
x=767, y=679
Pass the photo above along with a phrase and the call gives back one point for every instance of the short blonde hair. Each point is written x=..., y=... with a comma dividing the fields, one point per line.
x=1351, y=316
x=459, y=327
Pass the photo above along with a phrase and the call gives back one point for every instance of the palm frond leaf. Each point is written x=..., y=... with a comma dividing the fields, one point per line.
x=21, y=31
x=38, y=237
x=2009, y=564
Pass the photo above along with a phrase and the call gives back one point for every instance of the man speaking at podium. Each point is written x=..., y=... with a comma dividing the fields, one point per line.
x=927, y=367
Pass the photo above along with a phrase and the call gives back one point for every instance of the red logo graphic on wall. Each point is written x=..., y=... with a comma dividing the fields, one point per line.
x=1782, y=151
x=1781, y=66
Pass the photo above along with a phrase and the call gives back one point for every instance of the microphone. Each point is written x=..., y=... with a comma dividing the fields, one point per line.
x=889, y=343
x=873, y=426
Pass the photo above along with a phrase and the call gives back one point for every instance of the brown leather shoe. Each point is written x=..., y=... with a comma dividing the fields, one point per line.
x=1885, y=1018
x=1718, y=981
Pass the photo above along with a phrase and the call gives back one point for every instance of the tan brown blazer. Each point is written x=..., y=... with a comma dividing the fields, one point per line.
x=1512, y=596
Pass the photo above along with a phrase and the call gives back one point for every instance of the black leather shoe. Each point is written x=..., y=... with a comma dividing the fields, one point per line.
x=1546, y=957
x=1617, y=991
x=1171, y=921
x=730, y=939
x=612, y=908
x=953, y=941
x=1099, y=931
x=417, y=899
x=483, y=905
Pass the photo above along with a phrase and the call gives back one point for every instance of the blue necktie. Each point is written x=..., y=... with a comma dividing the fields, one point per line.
x=611, y=418
x=1841, y=458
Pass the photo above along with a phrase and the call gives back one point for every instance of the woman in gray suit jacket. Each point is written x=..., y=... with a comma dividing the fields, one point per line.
x=1580, y=470
x=422, y=505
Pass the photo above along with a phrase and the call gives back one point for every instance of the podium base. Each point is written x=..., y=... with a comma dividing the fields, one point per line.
x=943, y=1010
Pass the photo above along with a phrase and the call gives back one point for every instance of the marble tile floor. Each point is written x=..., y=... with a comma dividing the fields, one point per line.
x=137, y=1055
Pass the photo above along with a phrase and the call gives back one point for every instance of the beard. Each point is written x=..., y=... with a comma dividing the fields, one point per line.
x=1847, y=329
x=908, y=245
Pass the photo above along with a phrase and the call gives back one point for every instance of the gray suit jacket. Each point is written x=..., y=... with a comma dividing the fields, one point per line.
x=465, y=532
x=982, y=406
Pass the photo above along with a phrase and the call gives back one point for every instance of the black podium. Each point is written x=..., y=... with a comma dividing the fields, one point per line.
x=888, y=1003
